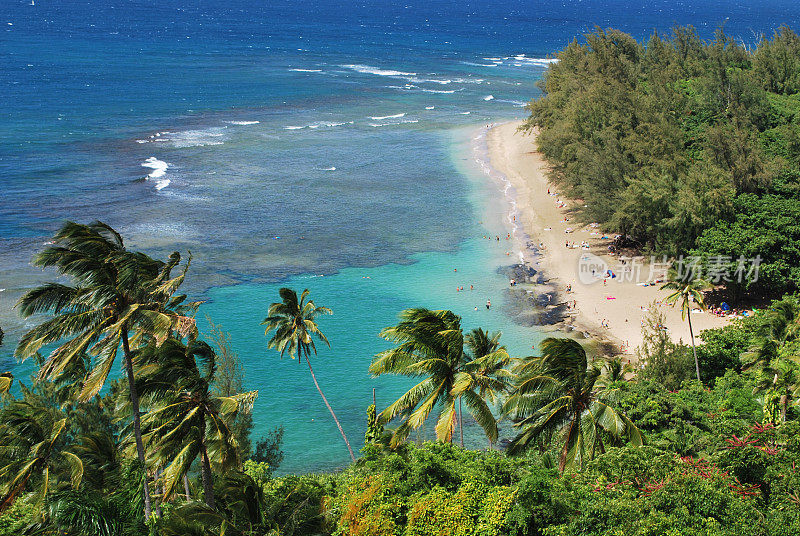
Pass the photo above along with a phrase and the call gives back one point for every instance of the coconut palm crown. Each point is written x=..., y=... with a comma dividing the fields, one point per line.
x=294, y=322
x=556, y=394
x=114, y=292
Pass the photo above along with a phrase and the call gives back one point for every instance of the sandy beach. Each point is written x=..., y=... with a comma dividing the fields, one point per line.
x=611, y=308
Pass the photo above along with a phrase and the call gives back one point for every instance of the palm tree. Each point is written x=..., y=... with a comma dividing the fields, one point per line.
x=556, y=393
x=6, y=380
x=781, y=384
x=187, y=420
x=115, y=292
x=35, y=443
x=774, y=352
x=780, y=325
x=687, y=290
x=243, y=511
x=430, y=344
x=84, y=512
x=482, y=380
x=294, y=322
x=102, y=459
x=614, y=371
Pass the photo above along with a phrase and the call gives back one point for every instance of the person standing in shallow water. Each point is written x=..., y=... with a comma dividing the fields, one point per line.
x=488, y=304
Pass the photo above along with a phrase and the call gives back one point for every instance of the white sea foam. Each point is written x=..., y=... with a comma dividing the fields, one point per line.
x=448, y=91
x=306, y=70
x=411, y=77
x=395, y=123
x=429, y=80
x=366, y=69
x=481, y=153
x=318, y=124
x=243, y=122
x=488, y=97
x=332, y=168
x=481, y=64
x=192, y=138
x=522, y=58
x=380, y=117
x=159, y=168
x=464, y=113
x=515, y=103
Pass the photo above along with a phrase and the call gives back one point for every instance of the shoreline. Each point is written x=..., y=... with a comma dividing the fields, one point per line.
x=610, y=310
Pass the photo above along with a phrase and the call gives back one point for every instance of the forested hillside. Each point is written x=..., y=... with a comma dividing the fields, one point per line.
x=687, y=146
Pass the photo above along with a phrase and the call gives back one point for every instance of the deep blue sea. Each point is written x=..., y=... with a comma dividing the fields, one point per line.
x=330, y=145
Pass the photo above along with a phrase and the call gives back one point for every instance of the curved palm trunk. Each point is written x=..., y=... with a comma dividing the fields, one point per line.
x=137, y=425
x=694, y=350
x=9, y=499
x=156, y=499
x=562, y=462
x=352, y=456
x=784, y=406
x=460, y=423
x=205, y=467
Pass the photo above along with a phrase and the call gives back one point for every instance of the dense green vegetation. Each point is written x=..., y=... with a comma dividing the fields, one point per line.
x=685, y=146
x=598, y=448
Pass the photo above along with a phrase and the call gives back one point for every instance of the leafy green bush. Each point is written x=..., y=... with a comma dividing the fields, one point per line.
x=473, y=509
x=16, y=518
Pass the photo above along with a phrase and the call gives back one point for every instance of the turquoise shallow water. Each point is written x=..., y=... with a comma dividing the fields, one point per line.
x=365, y=300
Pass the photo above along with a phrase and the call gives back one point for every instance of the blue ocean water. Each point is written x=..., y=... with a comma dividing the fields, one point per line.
x=285, y=141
